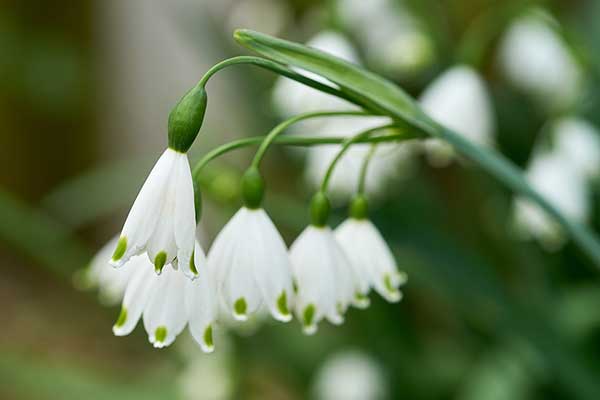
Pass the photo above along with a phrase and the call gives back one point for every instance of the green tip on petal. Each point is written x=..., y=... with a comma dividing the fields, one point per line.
x=387, y=282
x=122, y=318
x=308, y=315
x=159, y=261
x=160, y=334
x=361, y=300
x=240, y=306
x=282, y=304
x=208, y=336
x=193, y=265
x=120, y=250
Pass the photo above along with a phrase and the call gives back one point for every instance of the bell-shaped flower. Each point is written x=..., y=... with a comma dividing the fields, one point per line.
x=459, y=100
x=251, y=266
x=535, y=59
x=578, y=142
x=325, y=281
x=161, y=221
x=111, y=282
x=554, y=178
x=371, y=257
x=168, y=302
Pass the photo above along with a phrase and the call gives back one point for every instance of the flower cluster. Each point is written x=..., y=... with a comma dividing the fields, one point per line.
x=164, y=278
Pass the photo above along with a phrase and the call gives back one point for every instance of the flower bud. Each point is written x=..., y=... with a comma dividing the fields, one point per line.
x=319, y=209
x=253, y=188
x=358, y=207
x=186, y=119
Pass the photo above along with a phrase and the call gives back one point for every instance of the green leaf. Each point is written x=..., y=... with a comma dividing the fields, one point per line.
x=382, y=96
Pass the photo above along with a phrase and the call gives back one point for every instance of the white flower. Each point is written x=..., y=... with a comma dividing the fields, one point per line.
x=554, y=178
x=111, y=282
x=371, y=257
x=251, y=266
x=162, y=218
x=396, y=43
x=578, y=141
x=350, y=375
x=535, y=59
x=459, y=100
x=325, y=280
x=168, y=302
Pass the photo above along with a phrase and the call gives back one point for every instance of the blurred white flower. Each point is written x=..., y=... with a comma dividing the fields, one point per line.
x=251, y=266
x=250, y=14
x=326, y=283
x=372, y=259
x=350, y=375
x=551, y=175
x=534, y=58
x=292, y=98
x=208, y=378
x=391, y=35
x=459, y=100
x=111, y=282
x=579, y=142
x=168, y=302
x=162, y=219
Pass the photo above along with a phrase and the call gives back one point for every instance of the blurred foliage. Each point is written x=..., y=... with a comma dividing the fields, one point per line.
x=485, y=317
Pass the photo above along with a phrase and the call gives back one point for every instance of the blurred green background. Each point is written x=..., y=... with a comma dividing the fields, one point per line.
x=86, y=88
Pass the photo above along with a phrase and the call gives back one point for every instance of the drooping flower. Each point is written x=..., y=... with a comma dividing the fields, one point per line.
x=369, y=254
x=111, y=282
x=459, y=100
x=161, y=221
x=251, y=266
x=168, y=302
x=350, y=375
x=534, y=58
x=560, y=168
x=324, y=278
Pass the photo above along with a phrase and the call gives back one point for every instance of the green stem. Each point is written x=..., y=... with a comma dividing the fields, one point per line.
x=364, y=167
x=289, y=141
x=273, y=66
x=271, y=136
x=345, y=146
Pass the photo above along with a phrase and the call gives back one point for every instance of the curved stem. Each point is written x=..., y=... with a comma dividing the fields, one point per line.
x=289, y=141
x=287, y=123
x=279, y=69
x=345, y=146
x=364, y=167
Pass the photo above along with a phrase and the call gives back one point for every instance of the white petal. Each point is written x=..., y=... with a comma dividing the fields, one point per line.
x=228, y=260
x=144, y=214
x=136, y=295
x=271, y=265
x=315, y=279
x=162, y=239
x=185, y=216
x=201, y=309
x=165, y=315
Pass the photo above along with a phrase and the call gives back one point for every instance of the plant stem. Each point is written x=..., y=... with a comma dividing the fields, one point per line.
x=260, y=153
x=345, y=146
x=364, y=167
x=290, y=141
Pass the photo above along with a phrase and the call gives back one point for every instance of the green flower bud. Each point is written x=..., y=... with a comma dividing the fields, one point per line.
x=253, y=188
x=186, y=119
x=319, y=209
x=358, y=207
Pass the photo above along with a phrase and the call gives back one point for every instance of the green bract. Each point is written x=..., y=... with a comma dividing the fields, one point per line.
x=253, y=188
x=379, y=95
x=186, y=119
x=319, y=209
